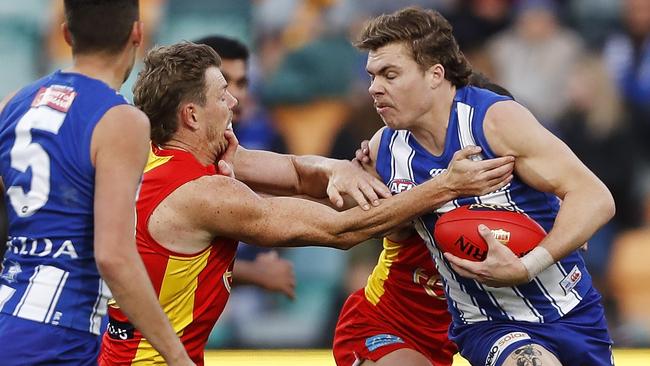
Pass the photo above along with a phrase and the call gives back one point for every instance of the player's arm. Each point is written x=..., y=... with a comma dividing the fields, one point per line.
x=232, y=209
x=475, y=178
x=314, y=176
x=545, y=163
x=267, y=271
x=119, y=151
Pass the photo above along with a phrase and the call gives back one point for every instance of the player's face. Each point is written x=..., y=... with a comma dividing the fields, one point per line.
x=234, y=70
x=399, y=88
x=217, y=112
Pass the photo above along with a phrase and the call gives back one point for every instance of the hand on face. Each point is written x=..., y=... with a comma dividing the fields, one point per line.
x=225, y=163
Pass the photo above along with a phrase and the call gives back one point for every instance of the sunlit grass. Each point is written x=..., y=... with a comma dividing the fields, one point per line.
x=640, y=357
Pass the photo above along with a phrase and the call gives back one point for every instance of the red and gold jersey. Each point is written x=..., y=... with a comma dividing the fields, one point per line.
x=192, y=289
x=405, y=281
x=402, y=306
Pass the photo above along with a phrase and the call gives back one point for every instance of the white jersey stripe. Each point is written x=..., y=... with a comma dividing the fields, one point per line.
x=5, y=294
x=40, y=298
x=59, y=289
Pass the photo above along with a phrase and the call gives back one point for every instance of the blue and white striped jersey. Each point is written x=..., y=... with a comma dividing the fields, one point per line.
x=402, y=162
x=49, y=273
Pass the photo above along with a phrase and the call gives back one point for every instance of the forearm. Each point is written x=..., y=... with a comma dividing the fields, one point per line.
x=581, y=214
x=398, y=209
x=314, y=224
x=245, y=273
x=133, y=292
x=266, y=171
x=313, y=174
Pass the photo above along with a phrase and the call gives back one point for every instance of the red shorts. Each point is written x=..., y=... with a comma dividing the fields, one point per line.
x=364, y=332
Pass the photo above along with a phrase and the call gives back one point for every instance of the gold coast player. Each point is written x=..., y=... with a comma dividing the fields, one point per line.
x=401, y=316
x=541, y=308
x=190, y=218
x=71, y=157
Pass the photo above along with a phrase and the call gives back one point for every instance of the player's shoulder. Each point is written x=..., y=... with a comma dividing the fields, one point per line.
x=375, y=141
x=502, y=114
x=125, y=117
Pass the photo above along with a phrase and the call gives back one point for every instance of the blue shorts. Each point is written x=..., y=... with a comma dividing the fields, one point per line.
x=579, y=338
x=26, y=342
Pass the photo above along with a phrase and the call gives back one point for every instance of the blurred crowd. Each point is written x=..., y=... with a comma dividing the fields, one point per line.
x=581, y=66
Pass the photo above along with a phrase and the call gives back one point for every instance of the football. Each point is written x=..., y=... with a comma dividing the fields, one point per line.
x=456, y=231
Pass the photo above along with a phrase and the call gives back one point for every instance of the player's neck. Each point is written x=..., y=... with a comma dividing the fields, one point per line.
x=203, y=155
x=431, y=130
x=109, y=69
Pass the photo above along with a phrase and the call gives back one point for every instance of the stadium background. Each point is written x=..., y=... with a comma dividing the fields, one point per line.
x=582, y=66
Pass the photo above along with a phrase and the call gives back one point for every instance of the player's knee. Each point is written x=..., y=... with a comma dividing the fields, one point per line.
x=531, y=355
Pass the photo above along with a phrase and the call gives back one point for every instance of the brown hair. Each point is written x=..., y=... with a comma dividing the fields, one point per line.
x=100, y=25
x=428, y=36
x=172, y=75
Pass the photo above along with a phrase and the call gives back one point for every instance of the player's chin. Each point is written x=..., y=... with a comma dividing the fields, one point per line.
x=391, y=123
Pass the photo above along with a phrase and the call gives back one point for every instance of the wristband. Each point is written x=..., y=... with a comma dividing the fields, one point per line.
x=536, y=261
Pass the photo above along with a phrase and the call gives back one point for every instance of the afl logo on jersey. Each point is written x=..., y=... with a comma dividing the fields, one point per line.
x=400, y=185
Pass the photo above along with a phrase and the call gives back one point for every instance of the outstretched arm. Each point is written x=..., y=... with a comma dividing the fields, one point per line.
x=119, y=151
x=545, y=163
x=233, y=210
x=310, y=175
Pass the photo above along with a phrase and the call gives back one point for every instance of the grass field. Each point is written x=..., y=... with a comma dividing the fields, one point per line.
x=636, y=357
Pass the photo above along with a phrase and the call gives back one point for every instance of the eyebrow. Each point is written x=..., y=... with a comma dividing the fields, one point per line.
x=383, y=70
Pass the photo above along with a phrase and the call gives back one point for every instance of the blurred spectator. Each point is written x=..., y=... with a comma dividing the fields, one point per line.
x=629, y=276
x=628, y=59
x=534, y=59
x=21, y=33
x=59, y=54
x=595, y=128
x=474, y=22
x=186, y=20
x=595, y=19
x=307, y=92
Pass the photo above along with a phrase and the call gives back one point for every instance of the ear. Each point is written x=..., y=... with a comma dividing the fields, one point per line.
x=66, y=34
x=188, y=117
x=137, y=33
x=435, y=75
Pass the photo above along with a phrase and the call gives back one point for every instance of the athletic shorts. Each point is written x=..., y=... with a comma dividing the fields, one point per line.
x=579, y=338
x=362, y=333
x=25, y=342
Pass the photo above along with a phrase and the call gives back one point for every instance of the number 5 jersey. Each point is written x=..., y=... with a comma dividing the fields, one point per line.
x=49, y=273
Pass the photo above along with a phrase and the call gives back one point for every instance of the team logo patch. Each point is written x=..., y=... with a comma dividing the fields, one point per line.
x=571, y=280
x=436, y=171
x=400, y=185
x=501, y=344
x=57, y=97
x=13, y=269
x=381, y=340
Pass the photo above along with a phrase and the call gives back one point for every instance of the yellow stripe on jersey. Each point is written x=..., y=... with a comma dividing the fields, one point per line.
x=154, y=161
x=375, y=287
x=177, y=299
